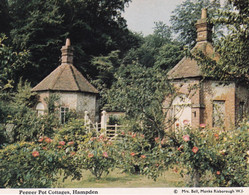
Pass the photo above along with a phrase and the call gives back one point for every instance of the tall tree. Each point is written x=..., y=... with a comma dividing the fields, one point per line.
x=4, y=17
x=186, y=15
x=234, y=47
x=95, y=27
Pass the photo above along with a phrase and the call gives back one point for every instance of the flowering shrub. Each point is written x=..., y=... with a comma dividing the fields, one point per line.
x=26, y=165
x=196, y=153
x=132, y=152
x=233, y=149
x=97, y=154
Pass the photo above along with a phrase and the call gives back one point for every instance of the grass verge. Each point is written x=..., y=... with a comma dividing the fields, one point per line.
x=117, y=179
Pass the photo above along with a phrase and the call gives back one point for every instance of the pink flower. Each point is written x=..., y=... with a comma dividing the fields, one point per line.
x=123, y=133
x=105, y=154
x=195, y=149
x=59, y=147
x=48, y=140
x=186, y=138
x=218, y=172
x=62, y=143
x=40, y=139
x=133, y=154
x=143, y=156
x=142, y=135
x=180, y=148
x=70, y=143
x=90, y=155
x=186, y=122
x=216, y=136
x=134, y=135
x=35, y=153
x=156, y=139
x=72, y=153
x=202, y=125
x=93, y=138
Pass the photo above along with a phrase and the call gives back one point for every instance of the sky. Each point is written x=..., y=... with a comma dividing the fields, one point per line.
x=141, y=14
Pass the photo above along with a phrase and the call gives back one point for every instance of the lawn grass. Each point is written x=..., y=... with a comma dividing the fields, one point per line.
x=117, y=179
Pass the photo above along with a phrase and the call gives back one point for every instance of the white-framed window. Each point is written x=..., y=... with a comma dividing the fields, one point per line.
x=63, y=114
x=40, y=108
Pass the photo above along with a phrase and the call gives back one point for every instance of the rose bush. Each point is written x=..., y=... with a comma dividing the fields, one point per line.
x=97, y=154
x=233, y=150
x=29, y=164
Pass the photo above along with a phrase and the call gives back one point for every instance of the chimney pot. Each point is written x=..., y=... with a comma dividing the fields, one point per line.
x=68, y=43
x=204, y=13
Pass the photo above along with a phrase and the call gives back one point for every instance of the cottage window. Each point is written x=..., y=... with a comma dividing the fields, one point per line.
x=40, y=109
x=218, y=113
x=63, y=114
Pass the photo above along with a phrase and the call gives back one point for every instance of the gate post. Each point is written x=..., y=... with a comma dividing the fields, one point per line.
x=103, y=122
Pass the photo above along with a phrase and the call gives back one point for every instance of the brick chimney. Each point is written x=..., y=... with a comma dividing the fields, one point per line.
x=67, y=53
x=204, y=29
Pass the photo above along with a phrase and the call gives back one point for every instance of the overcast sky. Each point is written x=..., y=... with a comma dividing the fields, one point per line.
x=141, y=14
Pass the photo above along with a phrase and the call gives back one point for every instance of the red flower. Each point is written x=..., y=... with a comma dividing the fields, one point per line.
x=175, y=170
x=156, y=139
x=62, y=143
x=177, y=124
x=143, y=156
x=48, y=140
x=44, y=148
x=133, y=154
x=93, y=138
x=105, y=154
x=73, y=153
x=123, y=133
x=70, y=143
x=216, y=136
x=180, y=148
x=90, y=155
x=195, y=149
x=59, y=147
x=202, y=125
x=218, y=172
x=186, y=122
x=186, y=138
x=134, y=135
x=35, y=154
x=40, y=139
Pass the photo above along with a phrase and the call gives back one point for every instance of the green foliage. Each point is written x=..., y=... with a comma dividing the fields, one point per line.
x=95, y=28
x=233, y=151
x=140, y=91
x=4, y=17
x=28, y=165
x=74, y=130
x=132, y=150
x=186, y=15
x=11, y=64
x=97, y=155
